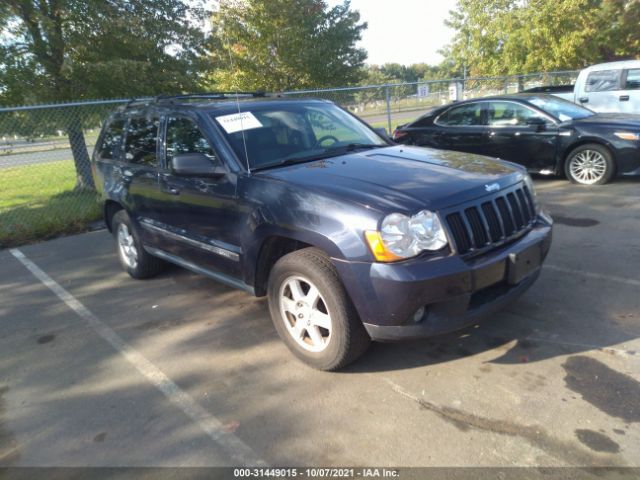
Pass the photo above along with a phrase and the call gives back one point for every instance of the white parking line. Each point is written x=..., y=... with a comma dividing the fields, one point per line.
x=598, y=276
x=231, y=444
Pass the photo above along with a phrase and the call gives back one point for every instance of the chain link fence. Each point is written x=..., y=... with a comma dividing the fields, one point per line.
x=394, y=104
x=46, y=189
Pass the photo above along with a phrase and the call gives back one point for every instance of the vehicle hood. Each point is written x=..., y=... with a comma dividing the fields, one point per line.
x=625, y=120
x=402, y=178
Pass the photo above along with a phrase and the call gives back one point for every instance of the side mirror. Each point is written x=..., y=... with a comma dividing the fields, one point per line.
x=382, y=132
x=196, y=165
x=537, y=123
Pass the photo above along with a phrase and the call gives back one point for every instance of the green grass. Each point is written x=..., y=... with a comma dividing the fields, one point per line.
x=39, y=202
x=394, y=124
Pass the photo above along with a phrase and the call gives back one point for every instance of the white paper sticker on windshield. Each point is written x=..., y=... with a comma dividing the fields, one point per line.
x=238, y=121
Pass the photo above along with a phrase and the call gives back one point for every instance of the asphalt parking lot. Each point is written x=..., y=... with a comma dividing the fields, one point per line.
x=97, y=369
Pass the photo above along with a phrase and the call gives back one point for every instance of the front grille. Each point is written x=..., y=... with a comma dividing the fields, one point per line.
x=490, y=222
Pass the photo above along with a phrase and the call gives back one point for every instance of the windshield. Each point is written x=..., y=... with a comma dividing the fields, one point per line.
x=283, y=133
x=559, y=108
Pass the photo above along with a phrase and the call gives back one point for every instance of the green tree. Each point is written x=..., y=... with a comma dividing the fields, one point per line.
x=278, y=45
x=59, y=50
x=498, y=37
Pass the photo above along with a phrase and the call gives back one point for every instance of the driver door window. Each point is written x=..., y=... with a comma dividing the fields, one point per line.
x=507, y=114
x=184, y=136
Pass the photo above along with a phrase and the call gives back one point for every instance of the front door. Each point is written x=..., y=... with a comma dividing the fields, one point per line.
x=512, y=136
x=200, y=215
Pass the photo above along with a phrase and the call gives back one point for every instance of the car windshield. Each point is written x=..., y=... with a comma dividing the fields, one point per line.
x=281, y=133
x=559, y=108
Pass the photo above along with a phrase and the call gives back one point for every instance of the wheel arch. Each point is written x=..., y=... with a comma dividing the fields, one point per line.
x=272, y=246
x=109, y=209
x=579, y=143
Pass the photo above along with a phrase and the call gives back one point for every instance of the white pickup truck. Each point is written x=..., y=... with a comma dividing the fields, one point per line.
x=607, y=87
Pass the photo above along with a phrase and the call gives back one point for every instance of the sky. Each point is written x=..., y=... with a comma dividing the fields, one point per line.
x=403, y=31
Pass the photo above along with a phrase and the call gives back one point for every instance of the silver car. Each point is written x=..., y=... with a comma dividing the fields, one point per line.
x=609, y=87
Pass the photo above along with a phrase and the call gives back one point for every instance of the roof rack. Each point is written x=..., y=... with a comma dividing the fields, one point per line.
x=144, y=101
x=209, y=95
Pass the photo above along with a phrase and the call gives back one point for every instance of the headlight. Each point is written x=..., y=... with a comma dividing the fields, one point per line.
x=401, y=236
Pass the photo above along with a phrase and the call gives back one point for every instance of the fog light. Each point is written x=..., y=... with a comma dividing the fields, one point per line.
x=419, y=315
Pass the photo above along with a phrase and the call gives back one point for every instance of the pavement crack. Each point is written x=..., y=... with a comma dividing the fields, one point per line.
x=534, y=435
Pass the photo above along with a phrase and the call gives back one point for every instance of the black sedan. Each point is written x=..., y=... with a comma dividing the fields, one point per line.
x=544, y=133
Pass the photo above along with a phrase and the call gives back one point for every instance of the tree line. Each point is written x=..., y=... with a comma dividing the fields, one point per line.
x=58, y=50
x=61, y=50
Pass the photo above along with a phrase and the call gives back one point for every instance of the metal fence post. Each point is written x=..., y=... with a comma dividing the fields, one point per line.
x=388, y=97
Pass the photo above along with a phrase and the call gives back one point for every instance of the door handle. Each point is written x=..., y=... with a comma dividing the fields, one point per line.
x=583, y=99
x=624, y=98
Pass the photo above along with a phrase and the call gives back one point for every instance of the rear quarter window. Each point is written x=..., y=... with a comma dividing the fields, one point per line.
x=109, y=148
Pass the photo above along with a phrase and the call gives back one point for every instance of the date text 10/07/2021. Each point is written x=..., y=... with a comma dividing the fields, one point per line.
x=315, y=473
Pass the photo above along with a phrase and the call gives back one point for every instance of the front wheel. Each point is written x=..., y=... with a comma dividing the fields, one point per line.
x=312, y=311
x=590, y=164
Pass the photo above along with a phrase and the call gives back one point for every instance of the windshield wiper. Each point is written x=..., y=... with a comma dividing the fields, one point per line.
x=354, y=146
x=293, y=161
x=328, y=153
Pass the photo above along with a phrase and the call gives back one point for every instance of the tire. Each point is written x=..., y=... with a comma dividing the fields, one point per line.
x=301, y=316
x=590, y=164
x=133, y=257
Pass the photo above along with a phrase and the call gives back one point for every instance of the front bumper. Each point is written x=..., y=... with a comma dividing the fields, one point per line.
x=456, y=292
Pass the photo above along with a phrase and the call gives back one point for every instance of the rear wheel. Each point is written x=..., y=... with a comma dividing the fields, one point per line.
x=312, y=311
x=590, y=164
x=133, y=257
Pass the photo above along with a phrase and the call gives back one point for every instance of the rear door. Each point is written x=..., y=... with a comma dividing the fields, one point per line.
x=138, y=172
x=462, y=128
x=512, y=138
x=631, y=85
x=603, y=91
x=199, y=217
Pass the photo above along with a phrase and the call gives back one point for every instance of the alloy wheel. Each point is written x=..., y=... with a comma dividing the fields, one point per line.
x=305, y=313
x=127, y=247
x=588, y=166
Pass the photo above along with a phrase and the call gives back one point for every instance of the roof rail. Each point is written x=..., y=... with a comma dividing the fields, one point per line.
x=209, y=95
x=144, y=101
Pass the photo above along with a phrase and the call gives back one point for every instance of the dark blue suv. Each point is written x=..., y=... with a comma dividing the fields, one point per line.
x=351, y=237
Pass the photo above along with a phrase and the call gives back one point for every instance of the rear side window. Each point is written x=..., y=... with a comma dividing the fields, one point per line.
x=633, y=79
x=464, y=115
x=141, y=140
x=111, y=140
x=603, y=81
x=184, y=136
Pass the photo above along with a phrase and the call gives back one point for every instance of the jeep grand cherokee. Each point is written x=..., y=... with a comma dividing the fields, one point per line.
x=351, y=237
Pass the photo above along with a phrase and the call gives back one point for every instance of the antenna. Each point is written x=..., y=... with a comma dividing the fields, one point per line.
x=237, y=94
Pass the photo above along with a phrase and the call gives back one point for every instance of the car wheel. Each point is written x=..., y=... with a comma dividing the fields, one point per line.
x=312, y=311
x=590, y=164
x=133, y=257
